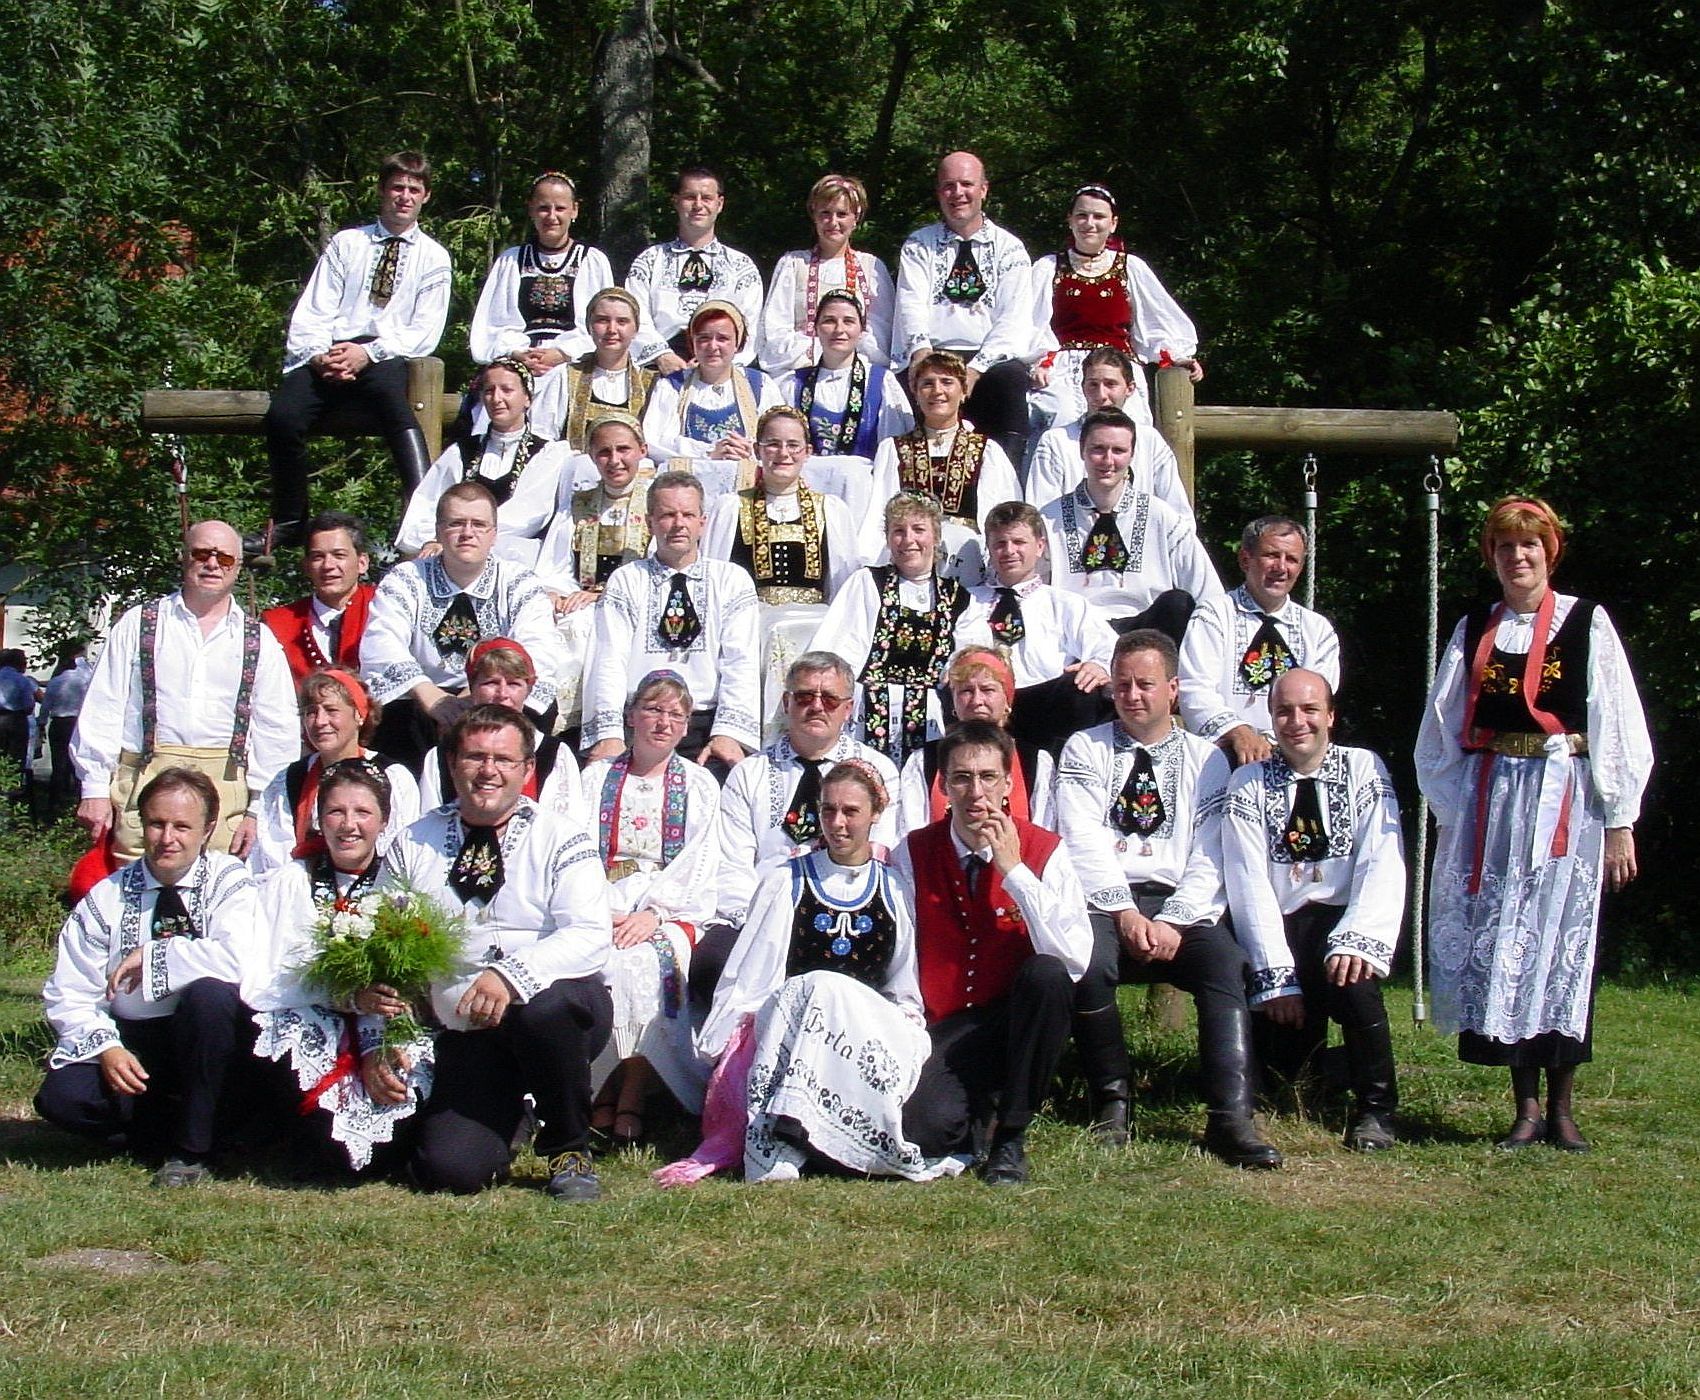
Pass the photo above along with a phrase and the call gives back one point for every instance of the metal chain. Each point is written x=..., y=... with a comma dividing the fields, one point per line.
x=1310, y=529
x=1419, y=886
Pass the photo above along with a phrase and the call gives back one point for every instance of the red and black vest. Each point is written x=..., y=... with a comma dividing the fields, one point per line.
x=968, y=949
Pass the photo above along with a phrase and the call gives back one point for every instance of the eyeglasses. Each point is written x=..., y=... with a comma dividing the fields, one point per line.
x=500, y=762
x=201, y=554
x=655, y=712
x=474, y=527
x=783, y=449
x=824, y=698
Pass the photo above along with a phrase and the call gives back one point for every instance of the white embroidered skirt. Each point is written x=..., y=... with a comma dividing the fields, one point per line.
x=840, y=1060
x=309, y=1038
x=1516, y=959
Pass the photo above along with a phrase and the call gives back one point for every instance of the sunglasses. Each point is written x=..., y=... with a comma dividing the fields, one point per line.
x=824, y=698
x=202, y=553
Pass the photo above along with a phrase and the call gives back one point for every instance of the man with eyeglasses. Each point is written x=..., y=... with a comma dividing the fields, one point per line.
x=529, y=1009
x=1000, y=939
x=679, y=611
x=770, y=807
x=188, y=680
x=429, y=614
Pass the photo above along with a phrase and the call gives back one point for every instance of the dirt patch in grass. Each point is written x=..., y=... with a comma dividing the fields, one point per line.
x=118, y=1263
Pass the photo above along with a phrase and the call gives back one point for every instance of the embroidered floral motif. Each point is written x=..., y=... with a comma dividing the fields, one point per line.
x=909, y=649
x=834, y=439
x=954, y=485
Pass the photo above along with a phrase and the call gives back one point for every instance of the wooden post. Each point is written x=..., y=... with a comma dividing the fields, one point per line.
x=425, y=394
x=1175, y=418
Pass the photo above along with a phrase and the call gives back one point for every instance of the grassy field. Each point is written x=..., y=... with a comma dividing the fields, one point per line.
x=1444, y=1268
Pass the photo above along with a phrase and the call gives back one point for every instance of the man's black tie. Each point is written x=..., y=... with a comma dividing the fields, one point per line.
x=1267, y=656
x=965, y=285
x=1305, y=837
x=384, y=271
x=1008, y=626
x=679, y=626
x=171, y=916
x=695, y=275
x=1138, y=808
x=478, y=871
x=1104, y=547
x=457, y=633
x=802, y=822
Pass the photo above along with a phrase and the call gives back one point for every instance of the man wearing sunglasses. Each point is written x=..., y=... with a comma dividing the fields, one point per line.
x=770, y=806
x=188, y=680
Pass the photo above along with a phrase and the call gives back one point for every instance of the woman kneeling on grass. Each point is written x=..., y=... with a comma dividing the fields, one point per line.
x=826, y=965
x=320, y=1044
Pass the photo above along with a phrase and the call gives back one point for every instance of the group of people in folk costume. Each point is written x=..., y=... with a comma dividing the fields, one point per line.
x=791, y=739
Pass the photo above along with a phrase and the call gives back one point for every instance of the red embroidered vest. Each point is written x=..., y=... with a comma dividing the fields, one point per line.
x=292, y=625
x=967, y=951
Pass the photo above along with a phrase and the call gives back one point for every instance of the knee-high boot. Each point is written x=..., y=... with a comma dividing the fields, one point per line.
x=1102, y=1048
x=412, y=460
x=1225, y=1061
x=1375, y=1089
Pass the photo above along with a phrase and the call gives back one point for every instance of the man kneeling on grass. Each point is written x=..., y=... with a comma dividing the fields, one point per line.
x=143, y=996
x=530, y=1009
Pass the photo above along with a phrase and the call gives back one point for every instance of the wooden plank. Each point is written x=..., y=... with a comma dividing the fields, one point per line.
x=242, y=412
x=1372, y=431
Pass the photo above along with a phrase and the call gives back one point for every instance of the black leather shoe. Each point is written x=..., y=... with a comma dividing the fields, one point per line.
x=572, y=1177
x=1234, y=1139
x=1562, y=1133
x=1370, y=1131
x=1006, y=1163
x=1525, y=1132
x=177, y=1173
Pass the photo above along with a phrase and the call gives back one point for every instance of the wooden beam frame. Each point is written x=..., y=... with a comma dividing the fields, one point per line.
x=1190, y=428
x=242, y=412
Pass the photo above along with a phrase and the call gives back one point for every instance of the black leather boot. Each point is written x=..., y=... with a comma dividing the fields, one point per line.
x=1102, y=1048
x=1375, y=1090
x=1109, y=1112
x=412, y=460
x=1224, y=1057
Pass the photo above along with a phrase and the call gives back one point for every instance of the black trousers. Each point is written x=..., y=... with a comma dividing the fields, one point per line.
x=62, y=787
x=697, y=734
x=1048, y=713
x=1169, y=613
x=378, y=393
x=1289, y=1051
x=193, y=1057
x=1209, y=966
x=542, y=1048
x=15, y=742
x=406, y=733
x=1002, y=1056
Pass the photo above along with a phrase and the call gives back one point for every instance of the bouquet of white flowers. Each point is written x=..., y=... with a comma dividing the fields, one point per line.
x=399, y=938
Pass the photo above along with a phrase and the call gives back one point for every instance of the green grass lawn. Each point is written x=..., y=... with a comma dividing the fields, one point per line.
x=1443, y=1268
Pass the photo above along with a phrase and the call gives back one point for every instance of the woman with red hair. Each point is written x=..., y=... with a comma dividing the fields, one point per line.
x=338, y=720
x=1534, y=754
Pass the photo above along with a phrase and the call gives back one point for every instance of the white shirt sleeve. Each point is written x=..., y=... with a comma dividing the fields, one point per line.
x=1620, y=750
x=1159, y=324
x=497, y=327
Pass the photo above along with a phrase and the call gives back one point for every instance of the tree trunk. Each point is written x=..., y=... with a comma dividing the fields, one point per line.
x=623, y=94
x=902, y=54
